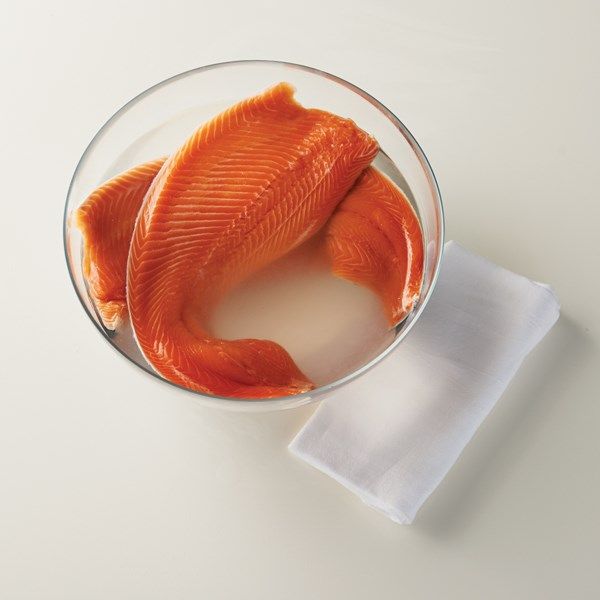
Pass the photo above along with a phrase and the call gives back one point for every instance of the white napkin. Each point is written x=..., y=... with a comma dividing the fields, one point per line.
x=392, y=436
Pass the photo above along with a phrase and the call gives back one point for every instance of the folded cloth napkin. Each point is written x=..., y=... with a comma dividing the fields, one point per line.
x=391, y=436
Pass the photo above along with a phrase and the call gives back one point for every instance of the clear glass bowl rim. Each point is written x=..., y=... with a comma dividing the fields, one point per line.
x=280, y=402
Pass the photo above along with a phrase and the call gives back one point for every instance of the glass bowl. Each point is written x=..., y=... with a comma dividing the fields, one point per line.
x=159, y=119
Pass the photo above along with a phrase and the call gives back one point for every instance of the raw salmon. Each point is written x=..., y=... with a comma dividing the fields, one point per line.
x=106, y=219
x=243, y=190
x=374, y=238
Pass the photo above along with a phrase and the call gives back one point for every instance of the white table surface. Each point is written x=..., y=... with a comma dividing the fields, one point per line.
x=114, y=486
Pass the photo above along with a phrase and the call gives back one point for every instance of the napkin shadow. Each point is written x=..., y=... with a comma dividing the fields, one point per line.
x=507, y=432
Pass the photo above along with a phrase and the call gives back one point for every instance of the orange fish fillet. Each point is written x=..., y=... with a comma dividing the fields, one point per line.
x=244, y=189
x=374, y=239
x=106, y=219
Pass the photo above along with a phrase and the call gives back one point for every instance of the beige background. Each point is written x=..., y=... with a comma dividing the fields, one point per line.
x=114, y=486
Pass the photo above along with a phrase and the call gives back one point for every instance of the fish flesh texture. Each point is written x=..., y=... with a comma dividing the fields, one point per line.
x=374, y=239
x=106, y=219
x=246, y=188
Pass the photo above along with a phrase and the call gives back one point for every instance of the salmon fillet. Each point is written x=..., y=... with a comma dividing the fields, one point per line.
x=243, y=190
x=106, y=219
x=374, y=239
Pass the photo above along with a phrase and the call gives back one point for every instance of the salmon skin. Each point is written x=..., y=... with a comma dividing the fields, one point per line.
x=243, y=190
x=106, y=219
x=374, y=239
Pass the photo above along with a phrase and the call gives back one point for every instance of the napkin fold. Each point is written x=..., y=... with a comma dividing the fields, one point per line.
x=391, y=436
